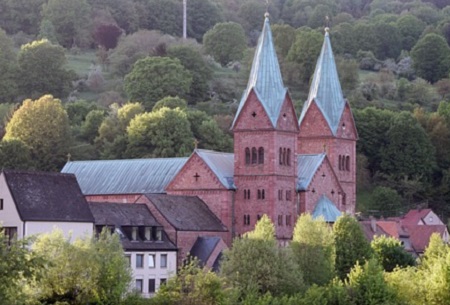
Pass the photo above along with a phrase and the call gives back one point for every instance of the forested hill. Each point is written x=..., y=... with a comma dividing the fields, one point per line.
x=104, y=79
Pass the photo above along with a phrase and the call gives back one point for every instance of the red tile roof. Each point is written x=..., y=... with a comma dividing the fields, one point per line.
x=414, y=216
x=420, y=235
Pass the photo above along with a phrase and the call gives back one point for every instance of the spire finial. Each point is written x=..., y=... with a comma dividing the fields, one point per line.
x=266, y=14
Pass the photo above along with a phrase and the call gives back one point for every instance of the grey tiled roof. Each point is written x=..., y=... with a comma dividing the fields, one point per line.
x=325, y=208
x=222, y=164
x=203, y=247
x=186, y=213
x=307, y=166
x=134, y=176
x=326, y=89
x=47, y=197
x=265, y=77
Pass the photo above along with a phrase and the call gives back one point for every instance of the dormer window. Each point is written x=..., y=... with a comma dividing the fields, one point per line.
x=134, y=233
x=159, y=234
x=148, y=233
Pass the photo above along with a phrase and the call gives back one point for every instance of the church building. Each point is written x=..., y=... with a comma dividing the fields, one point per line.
x=283, y=164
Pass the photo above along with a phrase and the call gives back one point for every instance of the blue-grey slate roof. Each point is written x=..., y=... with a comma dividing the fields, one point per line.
x=204, y=247
x=135, y=176
x=265, y=77
x=325, y=208
x=307, y=166
x=326, y=89
x=222, y=164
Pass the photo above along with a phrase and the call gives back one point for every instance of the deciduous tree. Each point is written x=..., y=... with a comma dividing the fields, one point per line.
x=9, y=68
x=390, y=253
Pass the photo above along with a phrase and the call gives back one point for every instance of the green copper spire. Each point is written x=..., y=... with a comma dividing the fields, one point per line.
x=325, y=88
x=265, y=77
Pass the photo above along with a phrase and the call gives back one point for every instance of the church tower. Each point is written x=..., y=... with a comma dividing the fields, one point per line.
x=327, y=125
x=265, y=141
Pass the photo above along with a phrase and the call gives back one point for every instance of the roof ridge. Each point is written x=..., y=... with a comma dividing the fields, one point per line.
x=122, y=160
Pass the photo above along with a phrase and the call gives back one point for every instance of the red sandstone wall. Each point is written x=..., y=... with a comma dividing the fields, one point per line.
x=119, y=198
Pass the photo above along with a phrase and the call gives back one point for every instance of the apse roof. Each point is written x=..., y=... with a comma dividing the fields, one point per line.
x=265, y=77
x=325, y=88
x=133, y=176
x=325, y=208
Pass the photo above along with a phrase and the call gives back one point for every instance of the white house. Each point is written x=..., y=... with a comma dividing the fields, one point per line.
x=37, y=202
x=152, y=256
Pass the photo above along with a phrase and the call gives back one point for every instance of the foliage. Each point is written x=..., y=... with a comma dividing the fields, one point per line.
x=202, y=16
x=313, y=248
x=164, y=15
x=283, y=38
x=107, y=35
x=87, y=270
x=127, y=112
x=78, y=110
x=14, y=154
x=43, y=126
x=193, y=286
x=71, y=21
x=17, y=265
x=431, y=56
x=256, y=265
x=386, y=201
x=170, y=102
x=193, y=61
x=154, y=78
x=390, y=253
x=351, y=245
x=42, y=70
x=20, y=16
x=8, y=66
x=225, y=42
x=163, y=133
x=90, y=126
x=304, y=52
x=410, y=28
x=47, y=31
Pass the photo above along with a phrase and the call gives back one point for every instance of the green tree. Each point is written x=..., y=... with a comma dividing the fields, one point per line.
x=9, y=68
x=154, y=78
x=390, y=253
x=319, y=16
x=304, y=52
x=351, y=245
x=124, y=12
x=386, y=201
x=256, y=265
x=193, y=286
x=417, y=157
x=164, y=16
x=388, y=40
x=43, y=71
x=193, y=61
x=431, y=56
x=203, y=15
x=225, y=42
x=17, y=266
x=71, y=19
x=21, y=16
x=43, y=126
x=47, y=31
x=128, y=112
x=90, y=126
x=170, y=102
x=410, y=28
x=313, y=248
x=14, y=154
x=78, y=110
x=163, y=133
x=283, y=37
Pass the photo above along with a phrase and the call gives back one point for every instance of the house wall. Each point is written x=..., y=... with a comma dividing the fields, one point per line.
x=431, y=219
x=145, y=273
x=9, y=216
x=73, y=229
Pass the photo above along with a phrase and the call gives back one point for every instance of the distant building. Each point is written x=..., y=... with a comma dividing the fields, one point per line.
x=35, y=202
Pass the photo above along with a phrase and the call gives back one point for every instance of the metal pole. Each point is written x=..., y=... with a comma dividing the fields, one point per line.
x=184, y=19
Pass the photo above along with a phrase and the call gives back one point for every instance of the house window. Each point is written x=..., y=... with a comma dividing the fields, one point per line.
x=128, y=258
x=134, y=233
x=162, y=282
x=151, y=285
x=139, y=285
x=10, y=234
x=163, y=263
x=151, y=260
x=247, y=155
x=261, y=155
x=1, y=203
x=288, y=157
x=280, y=220
x=148, y=233
x=139, y=260
x=158, y=233
x=254, y=156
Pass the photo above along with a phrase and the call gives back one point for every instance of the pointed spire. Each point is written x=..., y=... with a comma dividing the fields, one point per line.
x=265, y=77
x=325, y=88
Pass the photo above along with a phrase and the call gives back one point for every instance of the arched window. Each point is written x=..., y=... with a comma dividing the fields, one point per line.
x=248, y=194
x=284, y=156
x=343, y=162
x=281, y=156
x=247, y=155
x=340, y=162
x=263, y=195
x=261, y=155
x=254, y=156
x=288, y=157
x=347, y=163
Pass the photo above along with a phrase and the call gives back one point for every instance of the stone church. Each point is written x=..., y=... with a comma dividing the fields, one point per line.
x=283, y=164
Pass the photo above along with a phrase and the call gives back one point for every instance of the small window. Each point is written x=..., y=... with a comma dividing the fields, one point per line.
x=247, y=155
x=134, y=233
x=254, y=156
x=128, y=259
x=148, y=233
x=1, y=203
x=162, y=282
x=139, y=260
x=248, y=194
x=151, y=260
x=139, y=285
x=163, y=261
x=261, y=155
x=288, y=157
x=284, y=156
x=281, y=156
x=258, y=217
x=151, y=285
x=347, y=163
x=263, y=194
x=158, y=233
x=10, y=234
x=340, y=162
